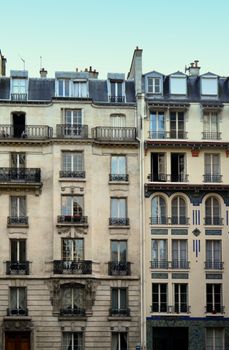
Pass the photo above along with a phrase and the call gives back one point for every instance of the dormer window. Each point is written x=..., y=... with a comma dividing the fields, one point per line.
x=178, y=84
x=80, y=88
x=72, y=88
x=64, y=87
x=116, y=91
x=154, y=85
x=209, y=85
x=19, y=89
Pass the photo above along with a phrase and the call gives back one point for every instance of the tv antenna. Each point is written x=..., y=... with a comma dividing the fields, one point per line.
x=23, y=62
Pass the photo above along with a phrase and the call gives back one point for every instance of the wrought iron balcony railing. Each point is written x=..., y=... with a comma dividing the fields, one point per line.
x=17, y=268
x=30, y=132
x=161, y=220
x=124, y=312
x=119, y=221
x=170, y=309
x=117, y=99
x=77, y=174
x=118, y=177
x=160, y=177
x=105, y=133
x=159, y=264
x=17, y=220
x=77, y=131
x=213, y=221
x=19, y=97
x=175, y=134
x=180, y=264
x=83, y=267
x=212, y=178
x=119, y=268
x=17, y=311
x=160, y=307
x=22, y=175
x=72, y=219
x=174, y=264
x=164, y=220
x=214, y=309
x=211, y=135
x=179, y=220
x=72, y=311
x=179, y=177
x=213, y=265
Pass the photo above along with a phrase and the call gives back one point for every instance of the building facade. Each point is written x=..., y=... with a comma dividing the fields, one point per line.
x=69, y=182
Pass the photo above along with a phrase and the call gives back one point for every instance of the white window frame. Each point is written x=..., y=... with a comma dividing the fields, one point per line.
x=19, y=206
x=22, y=86
x=71, y=155
x=205, y=86
x=181, y=89
x=119, y=207
x=73, y=254
x=151, y=85
x=119, y=339
x=72, y=334
x=82, y=93
x=213, y=345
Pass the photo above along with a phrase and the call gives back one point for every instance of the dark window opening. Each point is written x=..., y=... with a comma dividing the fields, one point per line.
x=19, y=125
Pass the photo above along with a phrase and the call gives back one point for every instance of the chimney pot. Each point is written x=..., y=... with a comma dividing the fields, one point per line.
x=43, y=73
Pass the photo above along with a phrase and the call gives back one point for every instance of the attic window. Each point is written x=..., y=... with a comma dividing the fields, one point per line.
x=209, y=86
x=19, y=89
x=178, y=85
x=154, y=85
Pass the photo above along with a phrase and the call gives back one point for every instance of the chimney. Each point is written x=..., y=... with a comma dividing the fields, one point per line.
x=43, y=73
x=194, y=69
x=2, y=65
x=92, y=73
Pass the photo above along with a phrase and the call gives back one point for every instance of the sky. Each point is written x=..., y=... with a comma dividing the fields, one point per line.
x=103, y=34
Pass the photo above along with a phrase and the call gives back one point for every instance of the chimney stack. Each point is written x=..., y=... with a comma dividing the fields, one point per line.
x=194, y=69
x=92, y=73
x=2, y=65
x=43, y=73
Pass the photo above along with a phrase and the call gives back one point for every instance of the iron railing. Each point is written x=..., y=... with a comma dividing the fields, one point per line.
x=174, y=264
x=213, y=265
x=164, y=220
x=213, y=221
x=118, y=177
x=72, y=311
x=83, y=267
x=180, y=264
x=119, y=268
x=119, y=221
x=159, y=264
x=17, y=311
x=160, y=220
x=179, y=220
x=105, y=133
x=17, y=268
x=17, y=220
x=124, y=312
x=29, y=132
x=212, y=178
x=77, y=131
x=168, y=177
x=19, y=97
x=23, y=175
x=117, y=99
x=211, y=135
x=214, y=309
x=176, y=134
x=170, y=309
x=72, y=219
x=77, y=174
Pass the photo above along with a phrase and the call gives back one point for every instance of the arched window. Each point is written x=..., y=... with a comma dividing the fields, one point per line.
x=179, y=211
x=158, y=211
x=212, y=212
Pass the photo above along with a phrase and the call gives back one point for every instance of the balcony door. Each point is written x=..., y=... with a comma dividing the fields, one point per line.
x=17, y=341
x=18, y=124
x=158, y=167
x=177, y=167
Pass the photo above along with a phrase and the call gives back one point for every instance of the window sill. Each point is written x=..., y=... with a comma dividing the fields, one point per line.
x=69, y=224
x=118, y=182
x=18, y=318
x=119, y=227
x=72, y=318
x=119, y=318
x=18, y=225
x=72, y=179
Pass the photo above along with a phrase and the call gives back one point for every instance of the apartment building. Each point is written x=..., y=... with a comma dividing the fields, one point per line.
x=185, y=174
x=69, y=183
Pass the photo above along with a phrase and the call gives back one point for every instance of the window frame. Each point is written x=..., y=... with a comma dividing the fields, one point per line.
x=72, y=334
x=153, y=84
x=159, y=302
x=71, y=155
x=208, y=337
x=119, y=199
x=79, y=212
x=119, y=340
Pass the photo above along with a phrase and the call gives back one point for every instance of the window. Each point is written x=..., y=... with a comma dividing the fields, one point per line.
x=18, y=210
x=119, y=251
x=159, y=254
x=154, y=85
x=212, y=212
x=179, y=254
x=73, y=116
x=214, y=297
x=18, y=250
x=19, y=89
x=72, y=165
x=209, y=86
x=73, y=249
x=17, y=301
x=119, y=341
x=214, y=339
x=181, y=298
x=63, y=87
x=177, y=125
x=158, y=210
x=158, y=167
x=118, y=120
x=213, y=254
x=80, y=88
x=118, y=168
x=72, y=341
x=118, y=211
x=211, y=126
x=212, y=168
x=178, y=85
x=72, y=206
x=116, y=91
x=178, y=173
x=72, y=300
x=179, y=211
x=159, y=297
x=119, y=302
x=157, y=125
x=18, y=160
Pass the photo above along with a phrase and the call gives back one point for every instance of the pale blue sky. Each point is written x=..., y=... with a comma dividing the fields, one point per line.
x=104, y=34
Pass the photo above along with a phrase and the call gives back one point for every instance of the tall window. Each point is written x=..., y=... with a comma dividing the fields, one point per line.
x=119, y=251
x=158, y=167
x=214, y=298
x=18, y=209
x=72, y=249
x=212, y=212
x=212, y=168
x=117, y=91
x=158, y=210
x=211, y=126
x=118, y=120
x=179, y=253
x=154, y=85
x=18, y=250
x=19, y=89
x=119, y=301
x=18, y=301
x=157, y=125
x=159, y=254
x=63, y=87
x=119, y=341
x=18, y=160
x=214, y=339
x=178, y=173
x=214, y=254
x=73, y=300
x=73, y=341
x=181, y=297
x=72, y=206
x=80, y=88
x=73, y=116
x=159, y=297
x=177, y=126
x=179, y=211
x=72, y=165
x=118, y=168
x=118, y=211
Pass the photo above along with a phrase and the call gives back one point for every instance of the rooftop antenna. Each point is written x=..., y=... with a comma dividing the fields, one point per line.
x=23, y=62
x=40, y=62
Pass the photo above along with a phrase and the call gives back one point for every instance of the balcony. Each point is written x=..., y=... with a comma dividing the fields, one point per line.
x=103, y=133
x=170, y=309
x=83, y=267
x=180, y=264
x=20, y=175
x=211, y=135
x=72, y=312
x=160, y=264
x=72, y=220
x=168, y=177
x=78, y=174
x=212, y=178
x=119, y=222
x=125, y=312
x=17, y=312
x=214, y=309
x=161, y=220
x=116, y=99
x=174, y=264
x=164, y=220
x=179, y=220
x=213, y=221
x=17, y=221
x=213, y=265
x=30, y=132
x=76, y=131
x=17, y=268
x=19, y=97
x=175, y=134
x=119, y=177
x=119, y=268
